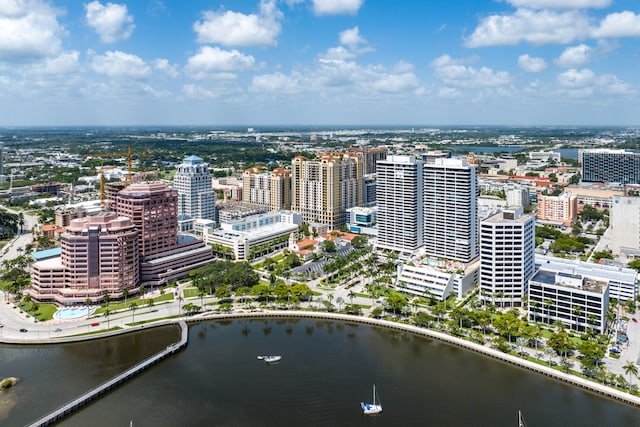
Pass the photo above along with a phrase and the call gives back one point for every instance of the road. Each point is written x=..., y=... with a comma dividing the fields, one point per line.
x=10, y=250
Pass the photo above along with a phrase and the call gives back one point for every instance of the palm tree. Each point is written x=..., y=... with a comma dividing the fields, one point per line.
x=133, y=306
x=351, y=295
x=547, y=305
x=125, y=293
x=107, y=313
x=577, y=311
x=330, y=298
x=105, y=298
x=630, y=369
x=88, y=304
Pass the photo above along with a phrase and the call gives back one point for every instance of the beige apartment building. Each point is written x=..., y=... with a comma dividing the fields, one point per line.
x=269, y=189
x=324, y=188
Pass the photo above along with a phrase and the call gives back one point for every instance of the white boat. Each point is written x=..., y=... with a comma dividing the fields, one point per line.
x=521, y=422
x=270, y=359
x=372, y=408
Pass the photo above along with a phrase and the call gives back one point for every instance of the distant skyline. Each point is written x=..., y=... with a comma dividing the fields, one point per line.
x=319, y=62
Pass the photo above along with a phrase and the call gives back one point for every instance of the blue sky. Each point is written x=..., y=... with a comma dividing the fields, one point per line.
x=319, y=62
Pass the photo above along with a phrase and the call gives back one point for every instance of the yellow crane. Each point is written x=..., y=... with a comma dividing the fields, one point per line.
x=128, y=154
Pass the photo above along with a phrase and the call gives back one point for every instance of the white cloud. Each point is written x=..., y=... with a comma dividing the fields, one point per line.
x=65, y=63
x=338, y=53
x=560, y=4
x=277, y=83
x=210, y=61
x=575, y=56
x=230, y=28
x=622, y=24
x=453, y=73
x=585, y=83
x=336, y=7
x=531, y=64
x=112, y=21
x=168, y=69
x=352, y=38
x=29, y=29
x=576, y=78
x=536, y=27
x=120, y=65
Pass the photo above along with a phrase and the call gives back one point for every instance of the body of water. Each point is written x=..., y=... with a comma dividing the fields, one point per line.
x=326, y=370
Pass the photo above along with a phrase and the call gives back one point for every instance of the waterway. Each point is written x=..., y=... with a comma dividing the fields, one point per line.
x=326, y=370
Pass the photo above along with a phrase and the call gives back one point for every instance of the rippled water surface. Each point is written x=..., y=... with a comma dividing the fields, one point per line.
x=326, y=370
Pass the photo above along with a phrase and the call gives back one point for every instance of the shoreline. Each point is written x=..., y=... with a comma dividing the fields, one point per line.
x=584, y=384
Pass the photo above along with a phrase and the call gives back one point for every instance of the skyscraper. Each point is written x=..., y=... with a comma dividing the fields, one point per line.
x=507, y=243
x=99, y=254
x=164, y=254
x=450, y=190
x=196, y=199
x=322, y=189
x=400, y=213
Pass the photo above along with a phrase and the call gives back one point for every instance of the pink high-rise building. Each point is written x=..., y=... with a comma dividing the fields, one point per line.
x=99, y=254
x=153, y=208
x=164, y=254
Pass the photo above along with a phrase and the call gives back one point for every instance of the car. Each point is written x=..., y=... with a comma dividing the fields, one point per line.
x=614, y=350
x=57, y=330
x=23, y=330
x=95, y=324
x=634, y=320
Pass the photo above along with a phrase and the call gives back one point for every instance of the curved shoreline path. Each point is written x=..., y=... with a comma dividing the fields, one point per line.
x=582, y=383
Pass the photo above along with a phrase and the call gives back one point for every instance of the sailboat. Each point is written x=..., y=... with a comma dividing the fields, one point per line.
x=372, y=408
x=521, y=422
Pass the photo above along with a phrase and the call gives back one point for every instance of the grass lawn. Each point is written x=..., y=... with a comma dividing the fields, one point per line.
x=44, y=312
x=121, y=305
x=190, y=292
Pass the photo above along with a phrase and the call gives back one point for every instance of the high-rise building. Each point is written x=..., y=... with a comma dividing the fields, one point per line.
x=99, y=254
x=369, y=157
x=196, y=199
x=322, y=189
x=606, y=165
x=562, y=209
x=164, y=254
x=517, y=196
x=270, y=189
x=399, y=194
x=153, y=208
x=450, y=191
x=507, y=243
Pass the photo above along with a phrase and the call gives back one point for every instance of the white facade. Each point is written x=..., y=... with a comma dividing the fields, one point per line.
x=436, y=279
x=624, y=230
x=517, y=196
x=362, y=220
x=400, y=213
x=196, y=198
x=578, y=301
x=254, y=236
x=507, y=243
x=450, y=189
x=622, y=281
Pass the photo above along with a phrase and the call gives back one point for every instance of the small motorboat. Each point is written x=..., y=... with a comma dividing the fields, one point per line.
x=270, y=359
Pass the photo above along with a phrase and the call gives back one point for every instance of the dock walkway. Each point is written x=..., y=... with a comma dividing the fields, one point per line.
x=105, y=387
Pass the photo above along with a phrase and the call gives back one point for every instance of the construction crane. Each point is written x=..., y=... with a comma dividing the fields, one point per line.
x=128, y=154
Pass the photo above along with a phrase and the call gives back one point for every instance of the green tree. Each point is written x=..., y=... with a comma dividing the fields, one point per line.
x=329, y=246
x=133, y=306
x=630, y=369
x=561, y=342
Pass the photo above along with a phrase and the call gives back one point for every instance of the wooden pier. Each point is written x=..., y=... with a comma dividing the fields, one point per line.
x=96, y=392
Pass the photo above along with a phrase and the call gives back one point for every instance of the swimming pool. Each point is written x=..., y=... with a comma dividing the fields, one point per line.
x=71, y=313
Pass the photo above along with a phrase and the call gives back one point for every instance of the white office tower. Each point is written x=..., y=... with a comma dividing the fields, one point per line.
x=196, y=199
x=507, y=243
x=517, y=196
x=624, y=229
x=399, y=194
x=450, y=191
